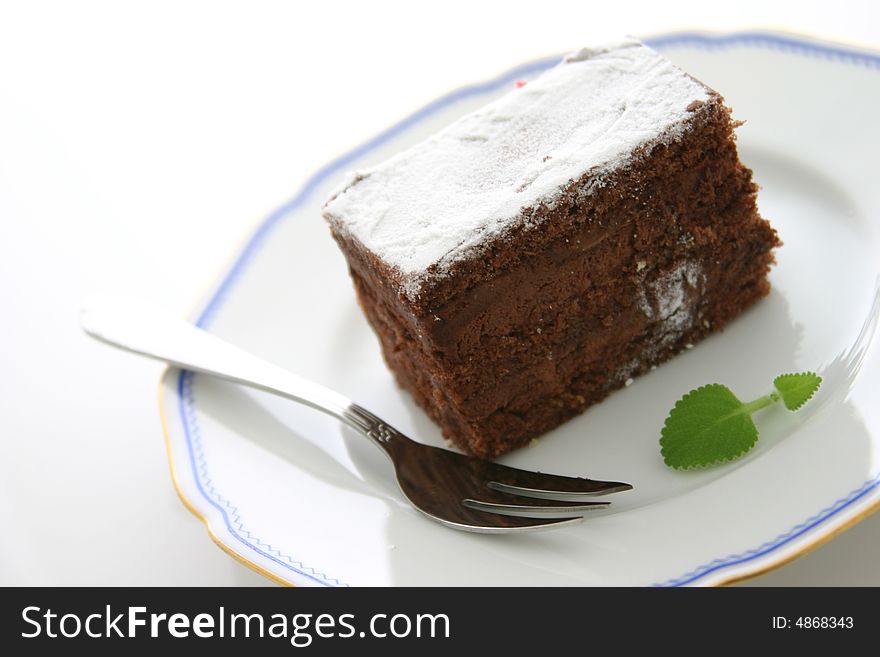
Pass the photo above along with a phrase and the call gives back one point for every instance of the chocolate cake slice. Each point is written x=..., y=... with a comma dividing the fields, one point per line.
x=535, y=255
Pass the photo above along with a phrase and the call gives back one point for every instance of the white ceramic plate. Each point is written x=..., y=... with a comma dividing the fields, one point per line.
x=292, y=494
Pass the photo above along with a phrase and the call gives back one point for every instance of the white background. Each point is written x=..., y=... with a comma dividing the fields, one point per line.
x=140, y=143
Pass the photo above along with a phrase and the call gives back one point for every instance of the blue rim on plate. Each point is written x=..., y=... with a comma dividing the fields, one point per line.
x=774, y=41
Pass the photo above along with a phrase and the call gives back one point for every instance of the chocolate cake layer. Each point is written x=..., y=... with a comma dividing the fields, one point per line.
x=561, y=308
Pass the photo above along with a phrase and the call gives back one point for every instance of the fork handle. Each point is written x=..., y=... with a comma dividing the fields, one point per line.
x=151, y=331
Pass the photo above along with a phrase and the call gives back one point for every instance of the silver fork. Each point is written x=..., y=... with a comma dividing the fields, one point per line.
x=458, y=491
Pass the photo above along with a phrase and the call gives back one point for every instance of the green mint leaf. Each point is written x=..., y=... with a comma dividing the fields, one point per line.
x=797, y=389
x=708, y=425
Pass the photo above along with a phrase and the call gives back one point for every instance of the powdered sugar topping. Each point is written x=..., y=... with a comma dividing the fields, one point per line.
x=665, y=298
x=433, y=204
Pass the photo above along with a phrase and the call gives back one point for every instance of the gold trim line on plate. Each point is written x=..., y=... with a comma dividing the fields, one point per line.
x=193, y=508
x=735, y=578
x=810, y=547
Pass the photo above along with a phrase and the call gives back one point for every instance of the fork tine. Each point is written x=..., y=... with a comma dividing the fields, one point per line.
x=557, y=510
x=506, y=479
x=557, y=494
x=496, y=523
